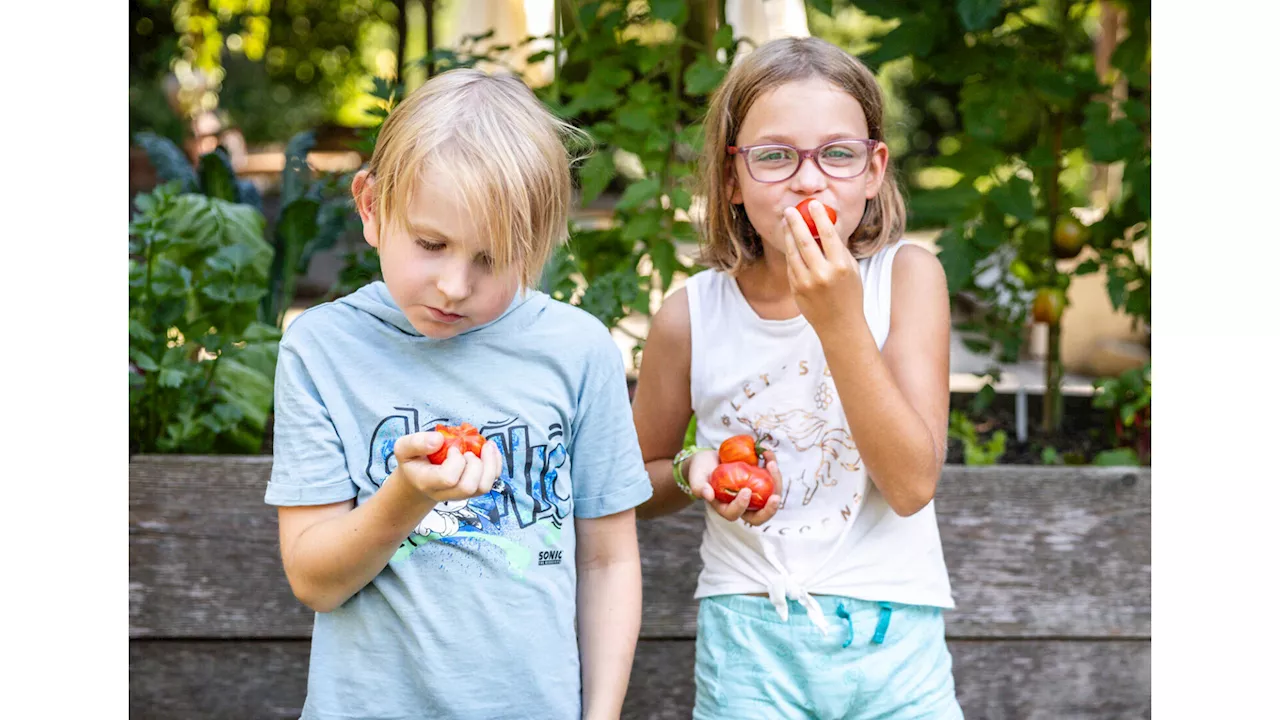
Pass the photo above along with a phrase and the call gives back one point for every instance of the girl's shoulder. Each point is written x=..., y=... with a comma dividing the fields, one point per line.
x=914, y=264
x=671, y=323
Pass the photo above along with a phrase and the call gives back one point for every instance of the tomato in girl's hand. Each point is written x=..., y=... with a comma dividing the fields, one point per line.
x=739, y=448
x=464, y=437
x=803, y=208
x=728, y=478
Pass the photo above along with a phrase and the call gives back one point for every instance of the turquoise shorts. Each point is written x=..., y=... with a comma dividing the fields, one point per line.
x=878, y=660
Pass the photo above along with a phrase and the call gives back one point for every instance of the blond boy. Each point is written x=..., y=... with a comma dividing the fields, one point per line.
x=500, y=586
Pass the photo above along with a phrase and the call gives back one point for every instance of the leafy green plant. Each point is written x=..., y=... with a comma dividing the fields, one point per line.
x=976, y=450
x=212, y=176
x=201, y=363
x=314, y=211
x=1128, y=398
x=1027, y=119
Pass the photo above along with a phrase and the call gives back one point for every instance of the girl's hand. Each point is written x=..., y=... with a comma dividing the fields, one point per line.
x=700, y=469
x=459, y=477
x=825, y=280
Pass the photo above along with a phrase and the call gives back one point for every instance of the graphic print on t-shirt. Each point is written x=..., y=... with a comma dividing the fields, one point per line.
x=530, y=489
x=795, y=412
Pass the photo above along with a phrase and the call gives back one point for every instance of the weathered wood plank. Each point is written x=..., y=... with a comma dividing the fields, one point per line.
x=1032, y=552
x=995, y=679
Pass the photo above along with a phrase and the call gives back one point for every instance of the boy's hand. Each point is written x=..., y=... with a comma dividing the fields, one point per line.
x=700, y=469
x=459, y=477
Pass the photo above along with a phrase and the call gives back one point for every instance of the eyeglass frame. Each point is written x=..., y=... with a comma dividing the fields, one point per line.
x=805, y=155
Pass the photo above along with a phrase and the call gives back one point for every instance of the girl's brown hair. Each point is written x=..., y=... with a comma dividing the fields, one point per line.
x=729, y=240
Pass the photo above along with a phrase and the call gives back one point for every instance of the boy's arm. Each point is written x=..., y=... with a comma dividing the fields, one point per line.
x=332, y=551
x=608, y=561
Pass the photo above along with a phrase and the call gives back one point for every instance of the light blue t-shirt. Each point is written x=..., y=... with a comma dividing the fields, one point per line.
x=476, y=618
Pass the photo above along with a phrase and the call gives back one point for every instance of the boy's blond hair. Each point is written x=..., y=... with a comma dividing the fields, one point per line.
x=503, y=149
x=729, y=241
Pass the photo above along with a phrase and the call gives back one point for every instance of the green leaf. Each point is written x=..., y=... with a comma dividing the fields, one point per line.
x=246, y=388
x=1116, y=289
x=599, y=98
x=167, y=158
x=998, y=113
x=596, y=174
x=663, y=254
x=681, y=199
x=333, y=219
x=217, y=180
x=1014, y=198
x=1054, y=87
x=983, y=398
x=973, y=159
x=140, y=332
x=987, y=237
x=637, y=117
x=940, y=207
x=172, y=377
x=886, y=9
x=958, y=256
x=1050, y=456
x=1117, y=456
x=1088, y=267
x=144, y=361
x=557, y=275
x=1108, y=141
x=671, y=10
x=1138, y=175
x=703, y=75
x=297, y=226
x=914, y=37
x=639, y=193
x=1131, y=55
x=977, y=14
x=724, y=37
x=610, y=76
x=611, y=295
x=823, y=6
x=643, y=228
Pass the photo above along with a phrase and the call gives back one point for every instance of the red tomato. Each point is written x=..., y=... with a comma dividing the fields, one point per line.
x=728, y=478
x=803, y=207
x=464, y=437
x=739, y=448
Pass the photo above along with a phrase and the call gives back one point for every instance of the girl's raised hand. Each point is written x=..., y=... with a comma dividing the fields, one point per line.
x=824, y=279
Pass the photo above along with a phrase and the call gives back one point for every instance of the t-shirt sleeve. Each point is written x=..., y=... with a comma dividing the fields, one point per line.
x=608, y=470
x=309, y=466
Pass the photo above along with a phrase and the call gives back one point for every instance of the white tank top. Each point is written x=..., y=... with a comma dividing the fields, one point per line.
x=834, y=533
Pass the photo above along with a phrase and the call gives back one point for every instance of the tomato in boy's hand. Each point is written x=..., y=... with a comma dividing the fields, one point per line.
x=739, y=448
x=803, y=208
x=728, y=478
x=464, y=437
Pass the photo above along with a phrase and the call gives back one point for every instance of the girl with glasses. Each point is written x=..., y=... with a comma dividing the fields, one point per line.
x=832, y=352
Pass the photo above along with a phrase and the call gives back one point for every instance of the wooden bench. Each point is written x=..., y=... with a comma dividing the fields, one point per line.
x=1051, y=570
